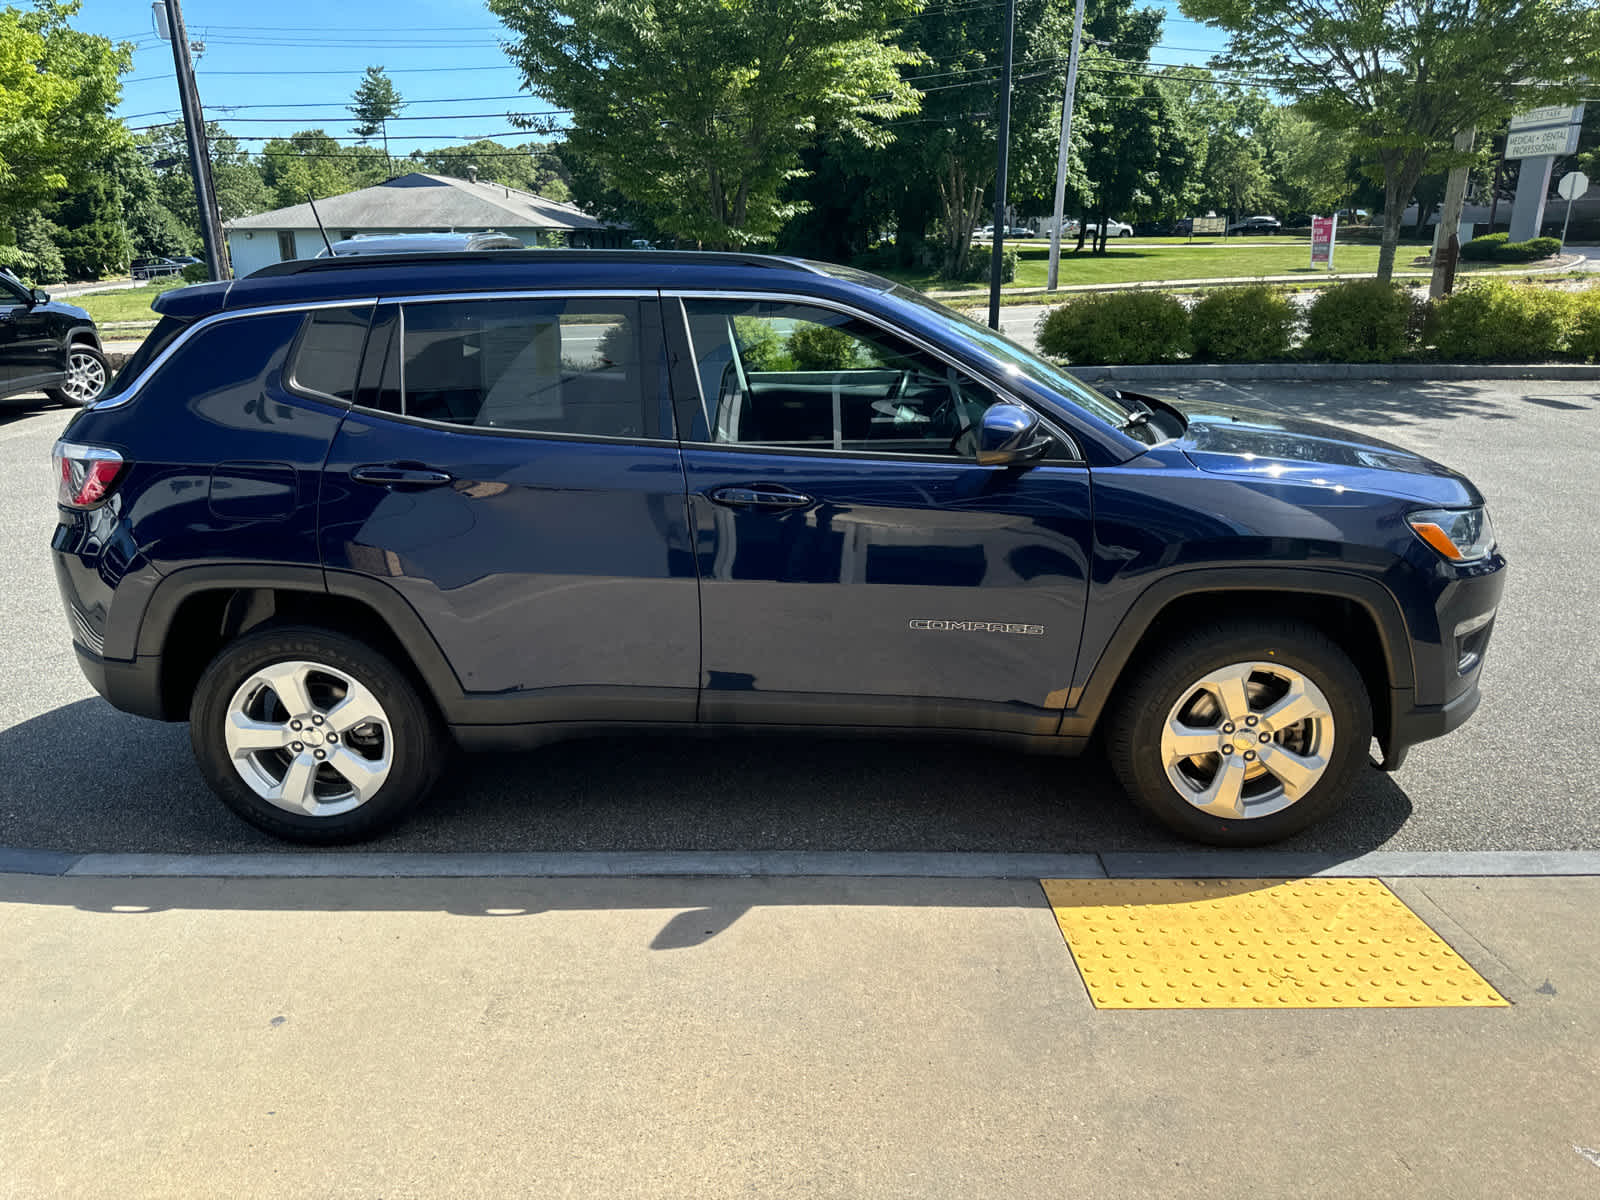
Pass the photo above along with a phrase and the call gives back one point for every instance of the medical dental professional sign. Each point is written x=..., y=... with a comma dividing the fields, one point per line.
x=1323, y=232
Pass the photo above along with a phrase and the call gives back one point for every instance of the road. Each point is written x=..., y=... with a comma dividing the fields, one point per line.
x=76, y=775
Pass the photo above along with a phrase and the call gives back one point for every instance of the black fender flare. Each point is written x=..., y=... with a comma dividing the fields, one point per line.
x=1372, y=597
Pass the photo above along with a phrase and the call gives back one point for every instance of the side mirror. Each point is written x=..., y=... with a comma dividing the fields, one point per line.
x=40, y=296
x=1009, y=433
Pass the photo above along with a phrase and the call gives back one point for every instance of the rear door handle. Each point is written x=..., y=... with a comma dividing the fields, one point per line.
x=758, y=496
x=392, y=475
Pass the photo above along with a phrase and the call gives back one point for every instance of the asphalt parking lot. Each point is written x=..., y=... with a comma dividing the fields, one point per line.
x=76, y=775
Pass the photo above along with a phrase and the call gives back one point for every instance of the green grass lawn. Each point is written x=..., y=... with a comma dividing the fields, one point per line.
x=126, y=304
x=1177, y=260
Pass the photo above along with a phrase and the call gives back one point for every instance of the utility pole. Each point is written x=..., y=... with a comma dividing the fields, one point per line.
x=1066, y=142
x=194, y=122
x=1446, y=240
x=997, y=257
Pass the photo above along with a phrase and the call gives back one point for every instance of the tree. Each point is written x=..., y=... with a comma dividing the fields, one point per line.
x=532, y=166
x=1309, y=163
x=376, y=100
x=1403, y=79
x=57, y=90
x=92, y=238
x=313, y=162
x=699, y=109
x=236, y=175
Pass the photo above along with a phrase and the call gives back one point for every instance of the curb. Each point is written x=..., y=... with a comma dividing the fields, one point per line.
x=1182, y=864
x=1190, y=371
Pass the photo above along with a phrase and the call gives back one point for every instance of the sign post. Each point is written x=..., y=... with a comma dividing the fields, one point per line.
x=1573, y=184
x=1324, y=231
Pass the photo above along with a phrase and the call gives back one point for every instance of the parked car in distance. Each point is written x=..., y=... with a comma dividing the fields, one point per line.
x=1113, y=229
x=1261, y=224
x=153, y=267
x=642, y=244
x=1020, y=231
x=532, y=493
x=985, y=234
x=48, y=347
x=411, y=243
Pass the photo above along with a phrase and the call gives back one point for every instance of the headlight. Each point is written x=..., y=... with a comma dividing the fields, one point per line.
x=1461, y=535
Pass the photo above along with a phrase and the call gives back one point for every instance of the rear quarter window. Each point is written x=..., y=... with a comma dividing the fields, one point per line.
x=327, y=353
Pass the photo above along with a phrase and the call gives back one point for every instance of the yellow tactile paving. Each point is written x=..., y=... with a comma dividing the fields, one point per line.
x=1257, y=943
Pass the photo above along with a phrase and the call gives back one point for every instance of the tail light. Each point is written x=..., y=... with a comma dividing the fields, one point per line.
x=85, y=475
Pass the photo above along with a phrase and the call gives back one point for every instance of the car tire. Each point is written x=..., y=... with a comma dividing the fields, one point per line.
x=1127, y=233
x=366, y=748
x=1246, y=777
x=88, y=372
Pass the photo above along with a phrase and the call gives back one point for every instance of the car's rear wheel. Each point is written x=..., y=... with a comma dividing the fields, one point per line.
x=1242, y=734
x=313, y=736
x=87, y=376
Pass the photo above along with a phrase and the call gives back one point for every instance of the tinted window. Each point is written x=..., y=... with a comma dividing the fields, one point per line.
x=794, y=376
x=329, y=351
x=550, y=366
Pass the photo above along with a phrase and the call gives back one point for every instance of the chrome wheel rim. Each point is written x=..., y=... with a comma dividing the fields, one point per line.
x=86, y=376
x=1248, y=740
x=309, y=738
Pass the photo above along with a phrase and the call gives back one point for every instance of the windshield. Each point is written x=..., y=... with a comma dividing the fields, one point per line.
x=1016, y=359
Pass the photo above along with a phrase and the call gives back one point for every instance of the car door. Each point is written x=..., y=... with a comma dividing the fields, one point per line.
x=505, y=470
x=856, y=565
x=18, y=355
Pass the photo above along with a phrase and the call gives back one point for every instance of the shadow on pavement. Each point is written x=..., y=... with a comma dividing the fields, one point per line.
x=86, y=778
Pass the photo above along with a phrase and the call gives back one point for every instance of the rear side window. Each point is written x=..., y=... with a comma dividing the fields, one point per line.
x=328, y=352
x=157, y=340
x=573, y=366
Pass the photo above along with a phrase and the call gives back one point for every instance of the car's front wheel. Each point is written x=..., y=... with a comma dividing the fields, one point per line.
x=313, y=736
x=1242, y=734
x=87, y=376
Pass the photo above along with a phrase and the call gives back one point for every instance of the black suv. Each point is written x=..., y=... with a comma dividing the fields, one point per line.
x=47, y=347
x=347, y=511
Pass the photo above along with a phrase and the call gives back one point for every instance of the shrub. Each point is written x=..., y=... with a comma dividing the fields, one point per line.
x=1498, y=247
x=1531, y=250
x=1583, y=335
x=1482, y=249
x=1365, y=321
x=1242, y=324
x=1008, y=265
x=1116, y=327
x=1493, y=319
x=821, y=348
x=17, y=262
x=196, y=273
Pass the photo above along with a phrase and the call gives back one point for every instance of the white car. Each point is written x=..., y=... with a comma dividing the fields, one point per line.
x=1113, y=229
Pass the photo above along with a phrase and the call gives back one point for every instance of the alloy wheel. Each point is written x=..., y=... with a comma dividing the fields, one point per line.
x=86, y=377
x=309, y=738
x=1248, y=740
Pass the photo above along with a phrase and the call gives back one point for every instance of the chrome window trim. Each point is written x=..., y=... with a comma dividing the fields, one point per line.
x=177, y=343
x=133, y=389
x=1004, y=393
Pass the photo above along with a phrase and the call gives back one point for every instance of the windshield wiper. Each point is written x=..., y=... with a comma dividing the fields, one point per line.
x=1135, y=419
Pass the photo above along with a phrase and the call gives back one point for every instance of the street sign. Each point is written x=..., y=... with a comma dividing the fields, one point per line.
x=1538, y=143
x=1559, y=114
x=1209, y=225
x=1323, y=232
x=1573, y=184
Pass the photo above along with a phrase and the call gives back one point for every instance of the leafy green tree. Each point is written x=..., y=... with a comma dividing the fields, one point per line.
x=93, y=240
x=58, y=87
x=1309, y=163
x=235, y=173
x=312, y=162
x=699, y=109
x=531, y=166
x=1403, y=79
x=36, y=239
x=375, y=101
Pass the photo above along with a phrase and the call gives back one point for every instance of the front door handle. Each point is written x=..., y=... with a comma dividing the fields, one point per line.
x=398, y=476
x=758, y=496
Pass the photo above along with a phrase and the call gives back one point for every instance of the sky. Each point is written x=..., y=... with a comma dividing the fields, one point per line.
x=269, y=69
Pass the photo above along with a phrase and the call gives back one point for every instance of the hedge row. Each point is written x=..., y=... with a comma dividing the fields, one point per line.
x=1498, y=247
x=1359, y=322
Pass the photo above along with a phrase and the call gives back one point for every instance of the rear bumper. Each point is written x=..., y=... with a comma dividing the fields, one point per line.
x=133, y=687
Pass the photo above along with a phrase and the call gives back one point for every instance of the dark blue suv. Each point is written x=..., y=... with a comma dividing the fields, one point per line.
x=344, y=513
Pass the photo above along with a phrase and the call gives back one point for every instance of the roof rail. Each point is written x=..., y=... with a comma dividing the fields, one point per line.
x=346, y=262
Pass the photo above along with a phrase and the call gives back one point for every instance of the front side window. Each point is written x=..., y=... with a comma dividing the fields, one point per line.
x=573, y=366
x=793, y=376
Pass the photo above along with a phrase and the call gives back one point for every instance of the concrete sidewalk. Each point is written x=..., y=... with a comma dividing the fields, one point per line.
x=717, y=1037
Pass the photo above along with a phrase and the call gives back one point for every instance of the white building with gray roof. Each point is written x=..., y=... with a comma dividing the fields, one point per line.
x=416, y=203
